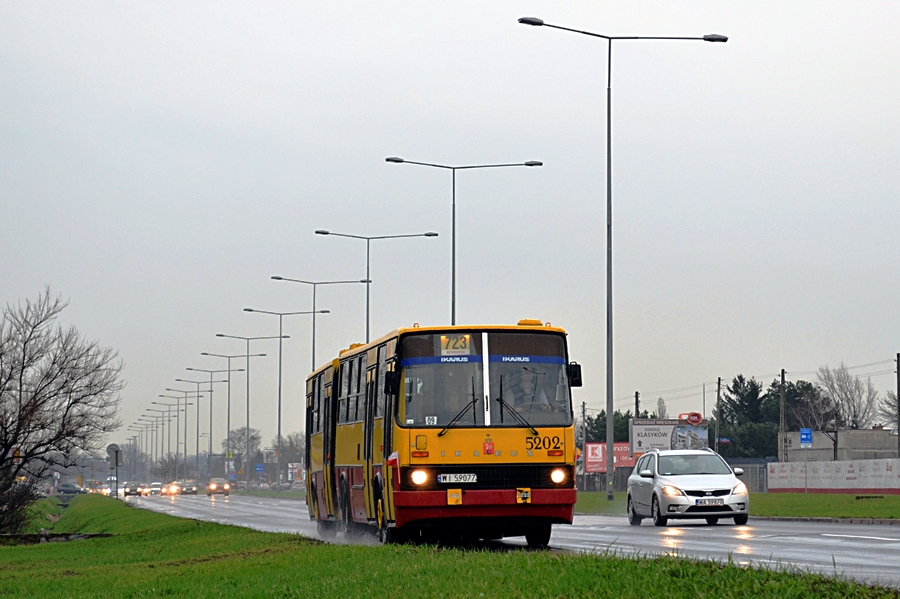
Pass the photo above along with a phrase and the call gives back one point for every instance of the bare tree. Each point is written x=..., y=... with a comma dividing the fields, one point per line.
x=59, y=395
x=239, y=441
x=856, y=400
x=887, y=409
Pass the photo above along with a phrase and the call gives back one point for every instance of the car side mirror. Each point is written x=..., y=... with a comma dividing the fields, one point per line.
x=574, y=371
x=646, y=474
x=739, y=472
x=392, y=383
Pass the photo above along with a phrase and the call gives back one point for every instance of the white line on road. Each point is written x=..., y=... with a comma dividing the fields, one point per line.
x=862, y=537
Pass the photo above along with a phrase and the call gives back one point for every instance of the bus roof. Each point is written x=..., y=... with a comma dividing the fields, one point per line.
x=358, y=348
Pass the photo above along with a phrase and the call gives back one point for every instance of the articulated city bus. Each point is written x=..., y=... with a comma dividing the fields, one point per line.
x=464, y=431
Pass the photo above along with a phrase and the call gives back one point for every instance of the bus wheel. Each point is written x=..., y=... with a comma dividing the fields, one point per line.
x=326, y=529
x=538, y=536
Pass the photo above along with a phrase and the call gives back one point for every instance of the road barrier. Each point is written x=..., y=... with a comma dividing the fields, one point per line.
x=857, y=477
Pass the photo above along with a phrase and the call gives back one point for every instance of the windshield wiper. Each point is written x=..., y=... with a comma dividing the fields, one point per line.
x=461, y=413
x=512, y=411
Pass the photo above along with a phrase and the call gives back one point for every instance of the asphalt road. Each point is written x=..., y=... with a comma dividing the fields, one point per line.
x=868, y=553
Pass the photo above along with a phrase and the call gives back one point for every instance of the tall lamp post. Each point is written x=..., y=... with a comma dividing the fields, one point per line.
x=248, y=340
x=211, y=381
x=197, y=413
x=152, y=425
x=368, y=277
x=230, y=370
x=280, y=316
x=535, y=22
x=186, y=404
x=453, y=169
x=314, y=285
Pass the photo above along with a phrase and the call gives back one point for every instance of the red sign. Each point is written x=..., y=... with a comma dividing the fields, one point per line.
x=595, y=457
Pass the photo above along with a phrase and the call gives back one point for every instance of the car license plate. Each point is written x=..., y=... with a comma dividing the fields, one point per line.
x=457, y=478
x=710, y=502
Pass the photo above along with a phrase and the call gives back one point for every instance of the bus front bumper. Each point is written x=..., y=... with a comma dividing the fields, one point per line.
x=552, y=505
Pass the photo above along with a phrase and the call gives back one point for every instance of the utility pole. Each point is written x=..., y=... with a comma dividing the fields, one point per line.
x=704, y=401
x=718, y=410
x=898, y=405
x=583, y=443
x=784, y=452
x=637, y=404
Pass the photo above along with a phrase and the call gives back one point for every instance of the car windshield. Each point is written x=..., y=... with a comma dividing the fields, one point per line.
x=675, y=465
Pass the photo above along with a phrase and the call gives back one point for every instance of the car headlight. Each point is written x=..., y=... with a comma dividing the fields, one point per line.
x=419, y=477
x=558, y=475
x=671, y=491
x=212, y=486
x=226, y=487
x=739, y=489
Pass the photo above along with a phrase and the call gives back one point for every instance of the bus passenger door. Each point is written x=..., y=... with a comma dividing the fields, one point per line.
x=368, y=425
x=330, y=414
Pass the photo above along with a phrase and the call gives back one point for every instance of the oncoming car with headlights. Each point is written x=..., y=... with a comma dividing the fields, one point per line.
x=217, y=486
x=686, y=484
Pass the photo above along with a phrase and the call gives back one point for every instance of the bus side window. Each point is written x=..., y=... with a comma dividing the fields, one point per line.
x=361, y=397
x=379, y=384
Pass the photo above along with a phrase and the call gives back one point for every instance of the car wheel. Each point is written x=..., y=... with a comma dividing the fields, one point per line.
x=633, y=518
x=538, y=536
x=225, y=494
x=712, y=521
x=658, y=518
x=741, y=520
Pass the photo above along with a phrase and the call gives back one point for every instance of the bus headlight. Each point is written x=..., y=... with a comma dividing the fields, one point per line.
x=418, y=477
x=558, y=475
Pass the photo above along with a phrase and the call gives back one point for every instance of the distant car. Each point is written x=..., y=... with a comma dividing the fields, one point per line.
x=155, y=488
x=217, y=485
x=70, y=489
x=171, y=489
x=298, y=485
x=188, y=487
x=264, y=486
x=686, y=483
x=133, y=488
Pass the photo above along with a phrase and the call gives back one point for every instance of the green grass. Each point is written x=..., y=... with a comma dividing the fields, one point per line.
x=793, y=505
x=154, y=554
x=44, y=513
x=823, y=505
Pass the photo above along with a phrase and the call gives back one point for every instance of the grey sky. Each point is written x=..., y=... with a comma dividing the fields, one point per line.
x=159, y=162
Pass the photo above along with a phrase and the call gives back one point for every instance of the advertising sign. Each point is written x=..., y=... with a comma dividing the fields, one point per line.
x=647, y=434
x=595, y=456
x=270, y=456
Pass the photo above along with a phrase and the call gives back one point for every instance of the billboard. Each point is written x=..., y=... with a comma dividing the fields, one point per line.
x=690, y=432
x=595, y=456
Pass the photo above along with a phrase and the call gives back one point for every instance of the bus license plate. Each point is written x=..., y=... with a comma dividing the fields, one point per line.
x=710, y=502
x=457, y=478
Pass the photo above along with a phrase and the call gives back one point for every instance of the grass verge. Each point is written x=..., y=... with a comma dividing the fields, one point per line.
x=154, y=554
x=44, y=514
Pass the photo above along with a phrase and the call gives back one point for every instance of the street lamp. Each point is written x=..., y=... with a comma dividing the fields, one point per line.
x=211, y=381
x=535, y=22
x=230, y=370
x=314, y=285
x=186, y=404
x=368, y=278
x=453, y=169
x=248, y=340
x=197, y=412
x=280, y=316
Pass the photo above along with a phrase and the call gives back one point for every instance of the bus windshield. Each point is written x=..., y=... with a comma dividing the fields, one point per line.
x=443, y=380
x=528, y=375
x=440, y=382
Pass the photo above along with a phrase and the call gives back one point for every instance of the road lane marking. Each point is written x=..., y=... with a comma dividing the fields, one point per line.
x=862, y=537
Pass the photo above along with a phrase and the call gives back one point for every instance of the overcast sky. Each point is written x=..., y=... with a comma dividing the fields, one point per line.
x=160, y=161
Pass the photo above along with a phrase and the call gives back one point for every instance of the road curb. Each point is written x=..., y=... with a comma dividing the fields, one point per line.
x=885, y=521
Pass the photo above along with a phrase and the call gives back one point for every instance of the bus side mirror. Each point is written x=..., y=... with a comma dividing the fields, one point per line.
x=391, y=383
x=574, y=374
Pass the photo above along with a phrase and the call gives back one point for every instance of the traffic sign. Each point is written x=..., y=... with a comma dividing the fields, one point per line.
x=805, y=438
x=259, y=468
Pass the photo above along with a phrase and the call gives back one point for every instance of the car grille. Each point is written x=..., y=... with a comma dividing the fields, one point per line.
x=491, y=477
x=716, y=493
x=695, y=509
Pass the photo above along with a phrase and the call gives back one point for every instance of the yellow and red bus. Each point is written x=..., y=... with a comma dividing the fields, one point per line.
x=463, y=431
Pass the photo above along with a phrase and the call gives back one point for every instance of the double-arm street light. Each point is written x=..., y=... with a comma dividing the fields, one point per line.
x=535, y=22
x=280, y=316
x=186, y=404
x=245, y=459
x=368, y=278
x=211, y=381
x=197, y=414
x=314, y=285
x=229, y=371
x=453, y=169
